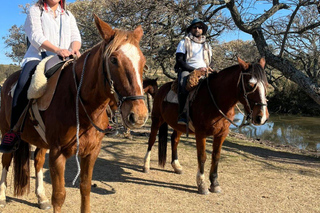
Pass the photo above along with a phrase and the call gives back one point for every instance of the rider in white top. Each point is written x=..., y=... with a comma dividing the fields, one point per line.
x=193, y=52
x=59, y=28
x=50, y=29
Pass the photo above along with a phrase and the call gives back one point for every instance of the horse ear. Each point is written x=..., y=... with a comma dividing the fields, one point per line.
x=145, y=68
x=138, y=33
x=243, y=64
x=105, y=30
x=262, y=62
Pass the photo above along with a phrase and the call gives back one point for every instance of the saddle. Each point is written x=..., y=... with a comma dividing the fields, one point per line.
x=45, y=79
x=194, y=80
x=42, y=88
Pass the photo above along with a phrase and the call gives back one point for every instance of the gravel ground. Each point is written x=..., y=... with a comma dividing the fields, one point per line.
x=254, y=177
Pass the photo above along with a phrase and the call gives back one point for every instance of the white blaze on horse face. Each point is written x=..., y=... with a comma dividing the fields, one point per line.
x=253, y=81
x=262, y=93
x=133, y=54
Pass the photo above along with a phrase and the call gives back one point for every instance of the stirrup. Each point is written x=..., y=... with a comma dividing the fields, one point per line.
x=182, y=119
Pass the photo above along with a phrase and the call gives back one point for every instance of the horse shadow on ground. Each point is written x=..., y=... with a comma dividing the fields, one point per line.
x=108, y=171
x=262, y=152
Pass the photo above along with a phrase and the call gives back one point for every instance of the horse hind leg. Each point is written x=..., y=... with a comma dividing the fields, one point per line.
x=6, y=161
x=39, y=159
x=175, y=137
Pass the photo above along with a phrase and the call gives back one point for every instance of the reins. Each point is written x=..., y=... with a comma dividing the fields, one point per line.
x=216, y=105
x=119, y=99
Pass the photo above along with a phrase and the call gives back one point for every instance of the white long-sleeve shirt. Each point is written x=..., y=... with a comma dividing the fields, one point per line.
x=42, y=25
x=197, y=59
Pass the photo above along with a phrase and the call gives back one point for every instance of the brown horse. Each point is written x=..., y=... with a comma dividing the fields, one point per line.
x=110, y=71
x=211, y=112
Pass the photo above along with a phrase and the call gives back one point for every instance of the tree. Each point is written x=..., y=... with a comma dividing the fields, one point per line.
x=164, y=23
x=17, y=42
x=285, y=41
x=285, y=32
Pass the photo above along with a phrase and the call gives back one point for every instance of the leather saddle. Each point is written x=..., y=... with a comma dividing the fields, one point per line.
x=45, y=79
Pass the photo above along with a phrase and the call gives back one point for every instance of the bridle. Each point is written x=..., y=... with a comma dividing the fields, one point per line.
x=245, y=95
x=107, y=76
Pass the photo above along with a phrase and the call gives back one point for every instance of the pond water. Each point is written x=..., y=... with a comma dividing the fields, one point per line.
x=298, y=131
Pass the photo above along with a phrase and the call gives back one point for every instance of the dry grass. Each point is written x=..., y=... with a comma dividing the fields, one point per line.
x=254, y=178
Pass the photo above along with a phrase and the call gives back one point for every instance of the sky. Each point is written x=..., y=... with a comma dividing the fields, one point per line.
x=10, y=14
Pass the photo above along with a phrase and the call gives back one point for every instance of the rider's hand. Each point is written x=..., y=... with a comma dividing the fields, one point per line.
x=202, y=69
x=63, y=53
x=76, y=52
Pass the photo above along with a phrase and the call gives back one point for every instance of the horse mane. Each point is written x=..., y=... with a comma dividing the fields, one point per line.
x=258, y=72
x=254, y=69
x=118, y=38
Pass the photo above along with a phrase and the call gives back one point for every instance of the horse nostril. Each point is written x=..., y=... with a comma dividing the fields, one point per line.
x=258, y=119
x=131, y=118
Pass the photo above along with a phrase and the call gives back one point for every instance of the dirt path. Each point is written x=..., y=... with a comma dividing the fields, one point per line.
x=254, y=178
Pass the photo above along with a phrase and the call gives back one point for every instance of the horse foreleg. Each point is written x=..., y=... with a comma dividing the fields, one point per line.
x=202, y=156
x=152, y=138
x=39, y=159
x=57, y=164
x=217, y=145
x=175, y=137
x=6, y=161
x=87, y=165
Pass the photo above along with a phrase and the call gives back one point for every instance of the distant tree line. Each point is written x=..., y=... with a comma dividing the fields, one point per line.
x=285, y=32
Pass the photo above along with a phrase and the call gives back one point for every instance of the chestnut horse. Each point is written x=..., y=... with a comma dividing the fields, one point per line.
x=211, y=112
x=110, y=71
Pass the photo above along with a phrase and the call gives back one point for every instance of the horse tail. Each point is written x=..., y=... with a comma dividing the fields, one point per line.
x=163, y=138
x=21, y=164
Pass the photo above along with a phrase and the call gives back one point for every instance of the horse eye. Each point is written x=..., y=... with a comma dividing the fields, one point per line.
x=114, y=60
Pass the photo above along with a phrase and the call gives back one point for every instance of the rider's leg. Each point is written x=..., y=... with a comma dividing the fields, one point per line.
x=11, y=139
x=182, y=96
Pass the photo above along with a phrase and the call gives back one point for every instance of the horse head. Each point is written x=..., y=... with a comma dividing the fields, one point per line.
x=253, y=87
x=123, y=64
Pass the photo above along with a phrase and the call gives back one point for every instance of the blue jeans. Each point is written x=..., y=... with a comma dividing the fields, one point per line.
x=20, y=100
x=182, y=92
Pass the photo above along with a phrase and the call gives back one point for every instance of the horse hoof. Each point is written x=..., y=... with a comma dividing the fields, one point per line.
x=203, y=191
x=176, y=167
x=146, y=170
x=45, y=206
x=216, y=189
x=178, y=171
x=2, y=203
